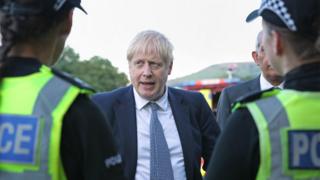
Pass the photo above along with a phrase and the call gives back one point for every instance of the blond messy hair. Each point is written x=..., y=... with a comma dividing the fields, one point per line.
x=151, y=43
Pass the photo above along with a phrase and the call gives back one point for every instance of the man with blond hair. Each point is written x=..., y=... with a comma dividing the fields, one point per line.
x=162, y=132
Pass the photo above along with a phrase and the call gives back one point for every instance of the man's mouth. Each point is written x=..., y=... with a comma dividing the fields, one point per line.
x=147, y=83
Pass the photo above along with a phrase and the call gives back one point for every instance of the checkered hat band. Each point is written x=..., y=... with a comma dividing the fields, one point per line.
x=278, y=7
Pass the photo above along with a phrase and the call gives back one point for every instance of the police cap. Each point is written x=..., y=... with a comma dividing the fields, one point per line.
x=37, y=7
x=295, y=15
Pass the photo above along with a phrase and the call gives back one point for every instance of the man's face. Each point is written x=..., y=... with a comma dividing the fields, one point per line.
x=262, y=60
x=149, y=74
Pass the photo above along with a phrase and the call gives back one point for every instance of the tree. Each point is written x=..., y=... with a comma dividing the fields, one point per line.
x=97, y=71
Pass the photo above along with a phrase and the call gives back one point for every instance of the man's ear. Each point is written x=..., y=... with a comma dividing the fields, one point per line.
x=277, y=43
x=254, y=55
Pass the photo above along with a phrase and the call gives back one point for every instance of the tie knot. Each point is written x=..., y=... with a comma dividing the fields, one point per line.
x=154, y=106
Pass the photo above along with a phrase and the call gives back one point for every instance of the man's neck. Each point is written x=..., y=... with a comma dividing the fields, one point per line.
x=273, y=80
x=267, y=83
x=275, y=83
x=28, y=51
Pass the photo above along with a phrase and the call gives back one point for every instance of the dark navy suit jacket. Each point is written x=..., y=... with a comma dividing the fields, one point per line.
x=195, y=122
x=230, y=95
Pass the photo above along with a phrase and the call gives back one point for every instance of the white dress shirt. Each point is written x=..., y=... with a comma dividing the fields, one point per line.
x=264, y=84
x=165, y=116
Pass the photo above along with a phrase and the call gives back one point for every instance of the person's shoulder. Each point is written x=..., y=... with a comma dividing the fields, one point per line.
x=254, y=96
x=72, y=80
x=81, y=109
x=184, y=93
x=116, y=92
x=241, y=85
x=239, y=90
x=84, y=103
x=109, y=97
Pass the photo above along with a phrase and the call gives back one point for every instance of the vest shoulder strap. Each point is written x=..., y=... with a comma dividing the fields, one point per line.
x=243, y=100
x=73, y=80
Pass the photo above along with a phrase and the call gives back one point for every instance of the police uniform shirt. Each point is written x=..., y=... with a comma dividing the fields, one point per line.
x=237, y=151
x=81, y=151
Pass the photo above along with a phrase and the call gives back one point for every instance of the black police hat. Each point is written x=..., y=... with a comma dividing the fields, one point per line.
x=295, y=15
x=14, y=8
x=75, y=3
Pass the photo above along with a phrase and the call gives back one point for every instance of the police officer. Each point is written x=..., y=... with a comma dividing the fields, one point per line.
x=49, y=129
x=276, y=134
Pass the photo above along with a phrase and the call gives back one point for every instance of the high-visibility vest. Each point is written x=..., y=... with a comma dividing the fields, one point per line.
x=289, y=134
x=32, y=108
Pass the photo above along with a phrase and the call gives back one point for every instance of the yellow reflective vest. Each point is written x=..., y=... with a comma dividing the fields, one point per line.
x=288, y=123
x=31, y=116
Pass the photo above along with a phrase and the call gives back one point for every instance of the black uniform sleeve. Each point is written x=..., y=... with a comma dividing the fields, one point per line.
x=87, y=144
x=236, y=155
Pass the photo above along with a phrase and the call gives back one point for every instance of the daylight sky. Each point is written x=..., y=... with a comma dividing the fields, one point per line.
x=203, y=32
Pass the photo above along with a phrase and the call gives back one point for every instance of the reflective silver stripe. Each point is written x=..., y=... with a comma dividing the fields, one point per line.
x=47, y=100
x=277, y=118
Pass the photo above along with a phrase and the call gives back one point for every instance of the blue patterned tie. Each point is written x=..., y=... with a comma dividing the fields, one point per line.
x=160, y=163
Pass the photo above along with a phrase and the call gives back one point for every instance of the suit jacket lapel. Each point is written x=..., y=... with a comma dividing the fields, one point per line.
x=126, y=117
x=182, y=118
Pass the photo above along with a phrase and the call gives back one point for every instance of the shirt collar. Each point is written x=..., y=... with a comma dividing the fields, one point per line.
x=142, y=102
x=264, y=84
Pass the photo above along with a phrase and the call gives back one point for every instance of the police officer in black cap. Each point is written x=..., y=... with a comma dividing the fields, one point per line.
x=49, y=128
x=275, y=134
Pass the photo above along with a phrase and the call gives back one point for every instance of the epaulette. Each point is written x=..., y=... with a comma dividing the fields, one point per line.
x=256, y=95
x=72, y=80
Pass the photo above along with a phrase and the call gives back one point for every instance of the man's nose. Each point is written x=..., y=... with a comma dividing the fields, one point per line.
x=147, y=70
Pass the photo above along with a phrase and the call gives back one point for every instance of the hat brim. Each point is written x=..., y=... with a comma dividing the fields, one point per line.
x=253, y=15
x=81, y=8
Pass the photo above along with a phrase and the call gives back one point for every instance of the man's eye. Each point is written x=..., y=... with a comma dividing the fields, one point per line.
x=155, y=65
x=138, y=63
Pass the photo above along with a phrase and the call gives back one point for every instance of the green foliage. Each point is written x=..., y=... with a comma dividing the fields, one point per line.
x=97, y=72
